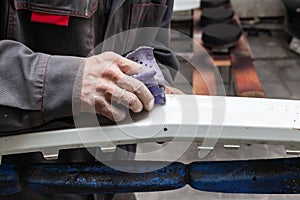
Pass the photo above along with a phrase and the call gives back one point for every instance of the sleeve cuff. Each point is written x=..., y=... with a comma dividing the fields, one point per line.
x=62, y=75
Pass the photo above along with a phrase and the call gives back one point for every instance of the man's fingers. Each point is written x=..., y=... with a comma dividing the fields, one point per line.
x=128, y=67
x=139, y=89
x=127, y=99
x=108, y=110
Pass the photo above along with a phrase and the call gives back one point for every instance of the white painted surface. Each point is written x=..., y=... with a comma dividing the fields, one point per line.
x=184, y=117
x=181, y=5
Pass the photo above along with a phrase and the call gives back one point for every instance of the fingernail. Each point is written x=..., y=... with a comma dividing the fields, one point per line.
x=151, y=105
x=119, y=116
x=138, y=109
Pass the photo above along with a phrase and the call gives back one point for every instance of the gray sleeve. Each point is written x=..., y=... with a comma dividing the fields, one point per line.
x=35, y=88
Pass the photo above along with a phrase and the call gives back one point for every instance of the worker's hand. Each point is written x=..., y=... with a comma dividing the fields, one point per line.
x=106, y=79
x=172, y=90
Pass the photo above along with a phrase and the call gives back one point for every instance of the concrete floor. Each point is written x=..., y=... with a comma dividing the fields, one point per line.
x=277, y=67
x=279, y=72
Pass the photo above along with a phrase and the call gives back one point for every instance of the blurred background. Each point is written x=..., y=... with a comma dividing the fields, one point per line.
x=263, y=61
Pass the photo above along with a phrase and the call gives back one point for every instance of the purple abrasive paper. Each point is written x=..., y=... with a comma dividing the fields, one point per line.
x=157, y=91
x=145, y=57
x=151, y=76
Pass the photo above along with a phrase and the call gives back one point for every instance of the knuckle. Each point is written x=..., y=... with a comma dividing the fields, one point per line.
x=117, y=76
x=99, y=101
x=114, y=74
x=107, y=112
x=137, y=84
x=140, y=88
x=108, y=54
x=109, y=93
x=117, y=59
x=110, y=70
x=121, y=81
x=100, y=106
x=101, y=88
x=106, y=90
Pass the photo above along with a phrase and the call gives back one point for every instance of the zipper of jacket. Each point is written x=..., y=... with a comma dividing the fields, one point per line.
x=86, y=8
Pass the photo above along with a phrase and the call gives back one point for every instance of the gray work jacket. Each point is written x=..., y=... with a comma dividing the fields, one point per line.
x=39, y=61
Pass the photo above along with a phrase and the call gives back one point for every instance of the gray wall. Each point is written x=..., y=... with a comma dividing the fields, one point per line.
x=258, y=8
